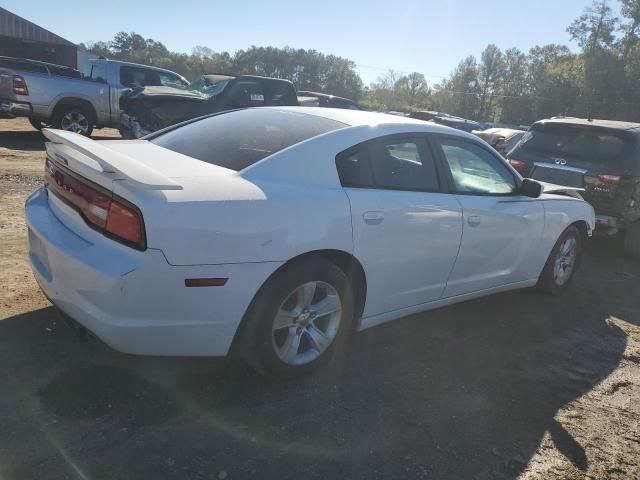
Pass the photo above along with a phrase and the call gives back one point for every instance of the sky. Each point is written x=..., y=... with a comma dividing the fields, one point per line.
x=427, y=36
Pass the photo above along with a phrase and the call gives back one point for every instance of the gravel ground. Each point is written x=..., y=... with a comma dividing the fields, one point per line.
x=517, y=385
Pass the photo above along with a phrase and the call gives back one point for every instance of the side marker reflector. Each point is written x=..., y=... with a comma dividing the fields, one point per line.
x=205, y=282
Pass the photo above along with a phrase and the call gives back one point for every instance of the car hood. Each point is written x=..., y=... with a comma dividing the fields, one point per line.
x=561, y=190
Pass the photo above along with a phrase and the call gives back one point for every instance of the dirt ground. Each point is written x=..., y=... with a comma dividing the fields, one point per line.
x=517, y=385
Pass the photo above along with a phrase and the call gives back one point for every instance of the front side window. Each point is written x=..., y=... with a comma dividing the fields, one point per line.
x=475, y=170
x=397, y=165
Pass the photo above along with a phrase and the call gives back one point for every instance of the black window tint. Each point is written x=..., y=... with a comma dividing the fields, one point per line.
x=281, y=93
x=354, y=169
x=405, y=165
x=246, y=93
x=475, y=170
x=240, y=138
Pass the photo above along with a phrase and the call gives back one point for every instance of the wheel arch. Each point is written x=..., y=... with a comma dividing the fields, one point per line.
x=74, y=102
x=348, y=263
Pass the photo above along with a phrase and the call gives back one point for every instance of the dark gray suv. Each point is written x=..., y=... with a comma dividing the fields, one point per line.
x=602, y=156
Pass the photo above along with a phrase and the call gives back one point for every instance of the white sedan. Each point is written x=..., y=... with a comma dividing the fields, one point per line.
x=276, y=231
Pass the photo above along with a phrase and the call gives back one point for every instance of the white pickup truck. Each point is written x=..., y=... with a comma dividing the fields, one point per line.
x=65, y=99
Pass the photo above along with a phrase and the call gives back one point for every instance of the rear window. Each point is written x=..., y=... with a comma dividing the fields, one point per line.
x=580, y=144
x=241, y=138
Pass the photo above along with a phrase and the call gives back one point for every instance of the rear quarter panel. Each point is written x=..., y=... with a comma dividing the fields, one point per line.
x=241, y=221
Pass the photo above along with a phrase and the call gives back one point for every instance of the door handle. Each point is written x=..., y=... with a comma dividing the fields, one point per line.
x=373, y=217
x=474, y=220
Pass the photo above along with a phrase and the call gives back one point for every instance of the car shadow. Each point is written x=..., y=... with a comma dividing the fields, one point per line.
x=466, y=391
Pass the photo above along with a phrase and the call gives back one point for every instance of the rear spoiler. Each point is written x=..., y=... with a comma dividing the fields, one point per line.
x=111, y=161
x=561, y=190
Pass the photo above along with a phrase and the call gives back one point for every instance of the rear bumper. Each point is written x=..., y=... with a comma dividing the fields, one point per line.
x=15, y=109
x=135, y=301
x=608, y=225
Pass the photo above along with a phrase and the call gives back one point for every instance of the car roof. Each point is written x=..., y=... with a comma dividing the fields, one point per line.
x=590, y=121
x=308, y=93
x=354, y=118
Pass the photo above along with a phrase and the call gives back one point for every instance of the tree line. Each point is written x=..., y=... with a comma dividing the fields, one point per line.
x=602, y=80
x=307, y=69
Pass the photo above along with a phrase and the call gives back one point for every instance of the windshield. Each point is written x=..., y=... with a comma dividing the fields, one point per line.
x=209, y=87
x=578, y=143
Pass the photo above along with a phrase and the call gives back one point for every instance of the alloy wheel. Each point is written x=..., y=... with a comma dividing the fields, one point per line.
x=306, y=323
x=565, y=261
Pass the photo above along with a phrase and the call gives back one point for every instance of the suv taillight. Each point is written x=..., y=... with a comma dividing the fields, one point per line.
x=519, y=165
x=20, y=86
x=611, y=179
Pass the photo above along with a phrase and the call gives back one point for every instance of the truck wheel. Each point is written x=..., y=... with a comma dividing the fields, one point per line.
x=74, y=119
x=632, y=240
x=37, y=124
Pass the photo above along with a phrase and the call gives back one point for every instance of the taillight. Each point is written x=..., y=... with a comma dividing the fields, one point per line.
x=20, y=86
x=518, y=165
x=101, y=209
x=611, y=179
x=125, y=223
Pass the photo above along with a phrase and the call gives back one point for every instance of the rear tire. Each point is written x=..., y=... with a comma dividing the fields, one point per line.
x=37, y=124
x=562, y=262
x=286, y=335
x=631, y=243
x=73, y=118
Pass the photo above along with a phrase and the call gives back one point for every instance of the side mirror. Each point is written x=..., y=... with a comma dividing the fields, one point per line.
x=531, y=188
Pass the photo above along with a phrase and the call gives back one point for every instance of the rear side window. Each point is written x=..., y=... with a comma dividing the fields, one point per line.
x=581, y=145
x=241, y=138
x=403, y=164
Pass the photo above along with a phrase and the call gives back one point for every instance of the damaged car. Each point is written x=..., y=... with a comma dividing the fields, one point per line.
x=601, y=156
x=147, y=109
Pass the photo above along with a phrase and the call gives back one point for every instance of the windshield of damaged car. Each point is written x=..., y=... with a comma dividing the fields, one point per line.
x=209, y=87
x=240, y=138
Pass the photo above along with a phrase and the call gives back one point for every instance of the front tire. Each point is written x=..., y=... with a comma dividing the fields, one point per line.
x=562, y=262
x=298, y=320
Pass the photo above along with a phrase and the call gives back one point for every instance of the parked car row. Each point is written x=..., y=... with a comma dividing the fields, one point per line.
x=135, y=99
